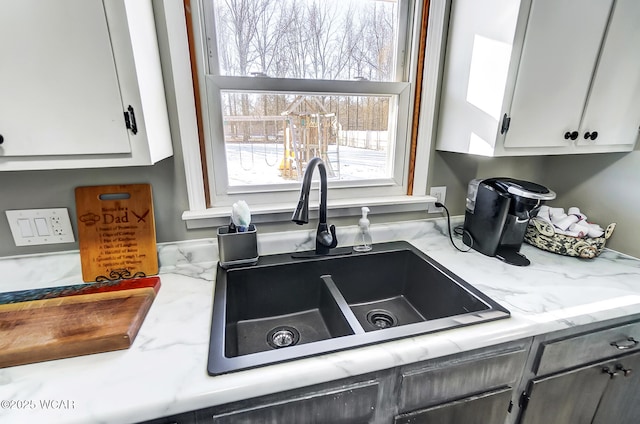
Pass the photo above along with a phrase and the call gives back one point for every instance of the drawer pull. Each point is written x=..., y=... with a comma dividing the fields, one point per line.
x=612, y=374
x=625, y=371
x=626, y=344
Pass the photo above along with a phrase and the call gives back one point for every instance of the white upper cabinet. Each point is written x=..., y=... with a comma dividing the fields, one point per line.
x=540, y=77
x=613, y=105
x=80, y=85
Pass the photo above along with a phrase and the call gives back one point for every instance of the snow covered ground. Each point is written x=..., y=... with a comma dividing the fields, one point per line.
x=258, y=163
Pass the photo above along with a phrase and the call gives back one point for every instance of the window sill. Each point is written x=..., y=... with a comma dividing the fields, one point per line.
x=281, y=212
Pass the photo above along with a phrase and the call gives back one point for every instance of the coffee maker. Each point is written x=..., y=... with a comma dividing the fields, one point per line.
x=497, y=213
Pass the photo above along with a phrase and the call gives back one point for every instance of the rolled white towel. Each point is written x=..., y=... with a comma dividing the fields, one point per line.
x=595, y=230
x=556, y=212
x=576, y=211
x=563, y=222
x=581, y=228
x=573, y=223
x=543, y=213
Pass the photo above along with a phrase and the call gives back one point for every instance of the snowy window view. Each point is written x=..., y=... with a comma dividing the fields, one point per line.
x=269, y=133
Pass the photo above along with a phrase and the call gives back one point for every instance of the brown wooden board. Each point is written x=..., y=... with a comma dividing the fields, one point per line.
x=116, y=231
x=43, y=330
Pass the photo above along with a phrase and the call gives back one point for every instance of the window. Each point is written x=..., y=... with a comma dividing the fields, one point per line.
x=282, y=81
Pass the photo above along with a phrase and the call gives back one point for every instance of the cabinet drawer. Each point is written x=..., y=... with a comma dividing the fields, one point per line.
x=574, y=351
x=355, y=403
x=456, y=379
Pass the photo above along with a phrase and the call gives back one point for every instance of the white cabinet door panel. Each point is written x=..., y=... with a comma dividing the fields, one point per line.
x=58, y=77
x=478, y=60
x=613, y=108
x=562, y=36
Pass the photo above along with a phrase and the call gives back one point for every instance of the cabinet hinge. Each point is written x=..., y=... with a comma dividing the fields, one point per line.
x=524, y=401
x=506, y=120
x=130, y=119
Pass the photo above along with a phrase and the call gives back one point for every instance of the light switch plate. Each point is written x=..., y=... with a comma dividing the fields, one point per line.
x=31, y=227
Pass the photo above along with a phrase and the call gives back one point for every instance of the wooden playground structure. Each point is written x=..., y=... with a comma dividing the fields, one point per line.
x=307, y=131
x=307, y=135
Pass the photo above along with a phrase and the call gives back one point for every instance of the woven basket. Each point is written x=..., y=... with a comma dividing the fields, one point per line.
x=542, y=235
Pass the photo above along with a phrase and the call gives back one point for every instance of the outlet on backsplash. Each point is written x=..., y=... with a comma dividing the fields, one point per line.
x=32, y=227
x=440, y=194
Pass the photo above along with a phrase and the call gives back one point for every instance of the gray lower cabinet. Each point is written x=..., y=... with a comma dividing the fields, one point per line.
x=586, y=378
x=355, y=403
x=361, y=399
x=486, y=408
x=570, y=397
x=474, y=388
x=621, y=400
x=598, y=394
x=574, y=376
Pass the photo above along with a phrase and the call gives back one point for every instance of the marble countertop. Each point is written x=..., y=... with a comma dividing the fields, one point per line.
x=164, y=371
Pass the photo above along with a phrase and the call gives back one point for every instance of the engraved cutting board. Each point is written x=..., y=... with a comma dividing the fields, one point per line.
x=116, y=231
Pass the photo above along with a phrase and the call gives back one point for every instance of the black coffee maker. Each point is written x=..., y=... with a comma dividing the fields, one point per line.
x=497, y=213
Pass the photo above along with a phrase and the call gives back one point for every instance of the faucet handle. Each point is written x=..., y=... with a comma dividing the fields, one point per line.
x=326, y=239
x=334, y=238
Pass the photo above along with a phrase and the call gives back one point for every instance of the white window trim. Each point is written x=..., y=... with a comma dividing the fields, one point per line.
x=225, y=196
x=199, y=216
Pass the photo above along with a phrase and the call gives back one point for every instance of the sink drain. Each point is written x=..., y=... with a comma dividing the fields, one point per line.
x=283, y=337
x=381, y=319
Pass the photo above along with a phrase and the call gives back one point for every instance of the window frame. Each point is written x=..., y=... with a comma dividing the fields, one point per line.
x=202, y=215
x=222, y=194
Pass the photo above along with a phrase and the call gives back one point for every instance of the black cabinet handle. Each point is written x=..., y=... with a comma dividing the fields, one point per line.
x=607, y=370
x=571, y=135
x=591, y=135
x=625, y=344
x=1, y=139
x=625, y=371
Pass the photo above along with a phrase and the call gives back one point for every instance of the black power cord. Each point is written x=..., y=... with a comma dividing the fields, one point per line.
x=458, y=230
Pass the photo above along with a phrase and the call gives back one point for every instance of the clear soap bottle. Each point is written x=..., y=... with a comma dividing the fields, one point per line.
x=362, y=243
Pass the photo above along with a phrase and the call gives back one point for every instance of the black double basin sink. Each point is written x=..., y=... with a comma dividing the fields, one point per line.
x=286, y=308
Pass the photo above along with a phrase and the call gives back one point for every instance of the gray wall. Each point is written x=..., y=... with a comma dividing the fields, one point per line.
x=605, y=187
x=53, y=189
x=455, y=170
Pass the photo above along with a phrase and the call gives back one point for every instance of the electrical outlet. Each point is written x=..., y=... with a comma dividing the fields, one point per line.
x=31, y=227
x=439, y=193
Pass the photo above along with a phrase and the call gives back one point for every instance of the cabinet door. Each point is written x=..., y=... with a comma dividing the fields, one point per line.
x=569, y=398
x=491, y=407
x=60, y=93
x=477, y=65
x=441, y=382
x=355, y=403
x=613, y=108
x=559, y=55
x=620, y=402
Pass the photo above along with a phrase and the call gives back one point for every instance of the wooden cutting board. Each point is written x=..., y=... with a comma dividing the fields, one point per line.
x=42, y=330
x=77, y=289
x=116, y=231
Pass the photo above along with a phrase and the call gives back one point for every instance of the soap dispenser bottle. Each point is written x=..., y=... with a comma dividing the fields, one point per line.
x=363, y=241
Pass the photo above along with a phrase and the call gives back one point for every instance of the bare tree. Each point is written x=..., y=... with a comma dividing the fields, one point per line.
x=320, y=39
x=269, y=33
